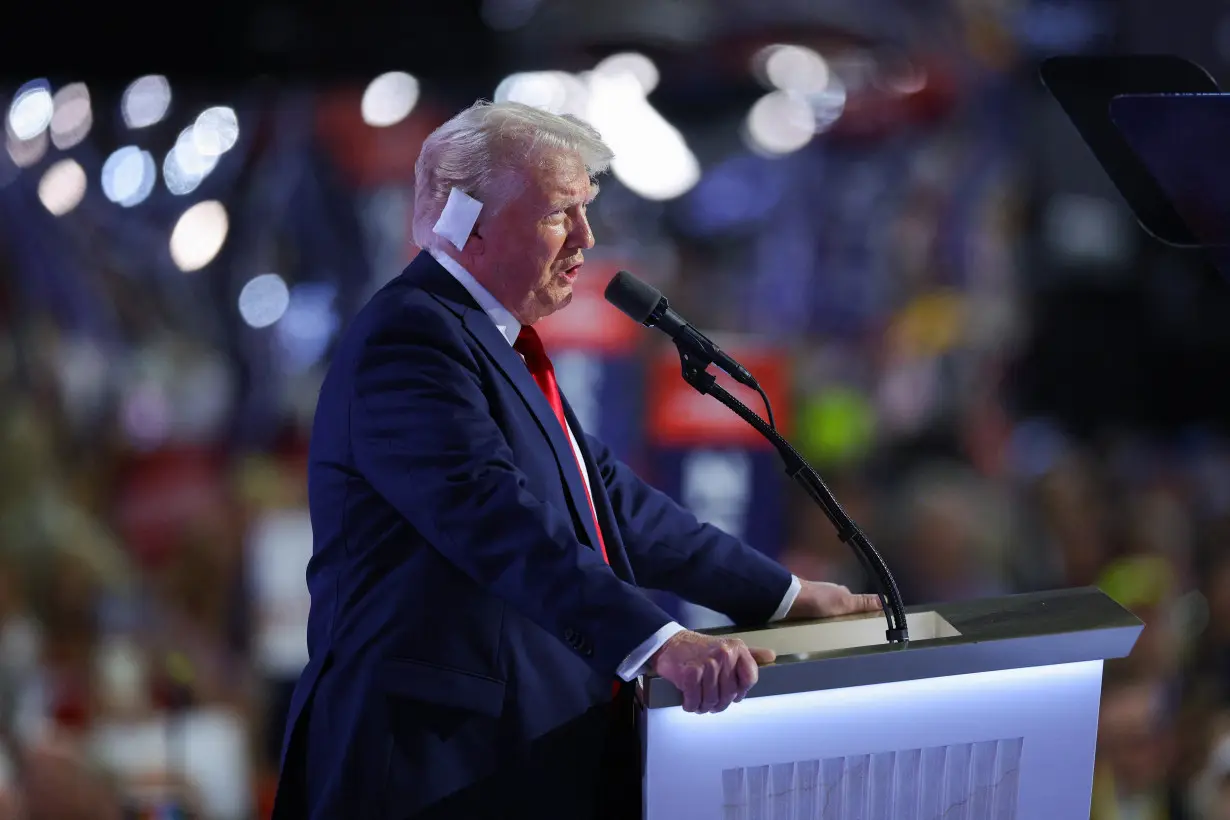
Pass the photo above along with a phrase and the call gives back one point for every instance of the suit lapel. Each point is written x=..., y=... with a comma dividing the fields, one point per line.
x=428, y=274
x=615, y=550
x=510, y=364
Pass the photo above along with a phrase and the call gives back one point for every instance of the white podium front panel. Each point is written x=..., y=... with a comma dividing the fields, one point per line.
x=1004, y=745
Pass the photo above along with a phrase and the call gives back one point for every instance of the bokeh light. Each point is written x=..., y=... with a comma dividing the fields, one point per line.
x=199, y=235
x=31, y=110
x=72, y=117
x=389, y=99
x=215, y=131
x=62, y=187
x=264, y=300
x=185, y=167
x=146, y=101
x=128, y=176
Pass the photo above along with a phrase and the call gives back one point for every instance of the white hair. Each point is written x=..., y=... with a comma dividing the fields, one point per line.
x=485, y=152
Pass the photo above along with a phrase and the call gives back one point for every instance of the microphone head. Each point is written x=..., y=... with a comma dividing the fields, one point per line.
x=635, y=298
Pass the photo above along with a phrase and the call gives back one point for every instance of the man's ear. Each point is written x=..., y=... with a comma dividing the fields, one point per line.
x=476, y=246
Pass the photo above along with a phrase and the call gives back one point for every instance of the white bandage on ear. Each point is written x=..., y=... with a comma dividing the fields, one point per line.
x=458, y=218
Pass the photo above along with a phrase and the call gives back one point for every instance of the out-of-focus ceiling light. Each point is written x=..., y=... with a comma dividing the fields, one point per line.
x=128, y=176
x=146, y=101
x=651, y=156
x=73, y=117
x=31, y=111
x=199, y=235
x=792, y=68
x=264, y=300
x=554, y=91
x=779, y=123
x=25, y=153
x=62, y=187
x=185, y=167
x=632, y=63
x=215, y=131
x=389, y=99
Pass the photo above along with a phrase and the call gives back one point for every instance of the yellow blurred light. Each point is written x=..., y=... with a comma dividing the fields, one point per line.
x=199, y=235
x=62, y=187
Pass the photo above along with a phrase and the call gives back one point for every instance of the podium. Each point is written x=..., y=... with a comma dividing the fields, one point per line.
x=989, y=713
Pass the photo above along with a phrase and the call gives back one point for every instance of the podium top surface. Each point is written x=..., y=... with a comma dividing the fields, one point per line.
x=1012, y=632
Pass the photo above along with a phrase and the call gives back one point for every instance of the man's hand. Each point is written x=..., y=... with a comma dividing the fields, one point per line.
x=711, y=672
x=818, y=599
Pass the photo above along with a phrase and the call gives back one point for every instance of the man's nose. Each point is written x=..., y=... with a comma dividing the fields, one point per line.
x=582, y=234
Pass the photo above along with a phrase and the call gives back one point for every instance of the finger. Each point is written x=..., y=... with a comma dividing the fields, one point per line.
x=691, y=691
x=728, y=682
x=746, y=674
x=867, y=603
x=761, y=655
x=709, y=686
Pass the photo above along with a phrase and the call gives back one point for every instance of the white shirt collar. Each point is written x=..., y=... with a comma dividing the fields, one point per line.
x=505, y=322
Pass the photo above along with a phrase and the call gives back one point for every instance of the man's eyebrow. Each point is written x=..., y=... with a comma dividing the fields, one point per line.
x=567, y=202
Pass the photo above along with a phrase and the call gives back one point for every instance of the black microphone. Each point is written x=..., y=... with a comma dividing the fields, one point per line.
x=646, y=305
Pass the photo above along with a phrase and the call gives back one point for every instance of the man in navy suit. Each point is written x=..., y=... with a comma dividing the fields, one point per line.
x=479, y=562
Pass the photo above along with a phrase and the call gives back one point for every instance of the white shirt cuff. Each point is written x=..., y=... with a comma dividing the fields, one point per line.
x=634, y=665
x=796, y=586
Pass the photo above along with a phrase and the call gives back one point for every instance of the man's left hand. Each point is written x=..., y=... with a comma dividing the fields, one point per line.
x=818, y=599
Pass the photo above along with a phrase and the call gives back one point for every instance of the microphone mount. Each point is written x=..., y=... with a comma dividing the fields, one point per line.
x=696, y=373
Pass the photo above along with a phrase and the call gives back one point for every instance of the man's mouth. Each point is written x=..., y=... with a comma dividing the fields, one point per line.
x=571, y=273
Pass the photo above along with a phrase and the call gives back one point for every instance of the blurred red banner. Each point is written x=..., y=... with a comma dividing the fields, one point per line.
x=681, y=417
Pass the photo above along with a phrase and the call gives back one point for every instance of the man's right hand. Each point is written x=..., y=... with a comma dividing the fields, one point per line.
x=711, y=672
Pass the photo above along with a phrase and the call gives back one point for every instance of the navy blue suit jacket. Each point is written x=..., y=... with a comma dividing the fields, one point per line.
x=464, y=632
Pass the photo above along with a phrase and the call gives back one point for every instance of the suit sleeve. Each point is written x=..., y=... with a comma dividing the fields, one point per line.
x=424, y=437
x=671, y=550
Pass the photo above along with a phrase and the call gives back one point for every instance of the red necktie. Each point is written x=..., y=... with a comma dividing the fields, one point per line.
x=530, y=346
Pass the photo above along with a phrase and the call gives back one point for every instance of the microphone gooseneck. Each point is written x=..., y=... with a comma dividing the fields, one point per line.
x=646, y=305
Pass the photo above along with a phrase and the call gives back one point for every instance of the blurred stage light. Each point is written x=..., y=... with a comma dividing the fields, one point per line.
x=554, y=91
x=145, y=101
x=389, y=99
x=651, y=157
x=792, y=68
x=128, y=176
x=779, y=123
x=31, y=111
x=73, y=117
x=199, y=235
x=185, y=167
x=25, y=153
x=264, y=300
x=215, y=131
x=62, y=187
x=630, y=62
x=311, y=319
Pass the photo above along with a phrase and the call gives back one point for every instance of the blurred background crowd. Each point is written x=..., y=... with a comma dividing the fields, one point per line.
x=875, y=206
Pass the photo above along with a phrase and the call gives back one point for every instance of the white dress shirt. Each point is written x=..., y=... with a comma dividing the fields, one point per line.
x=510, y=328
